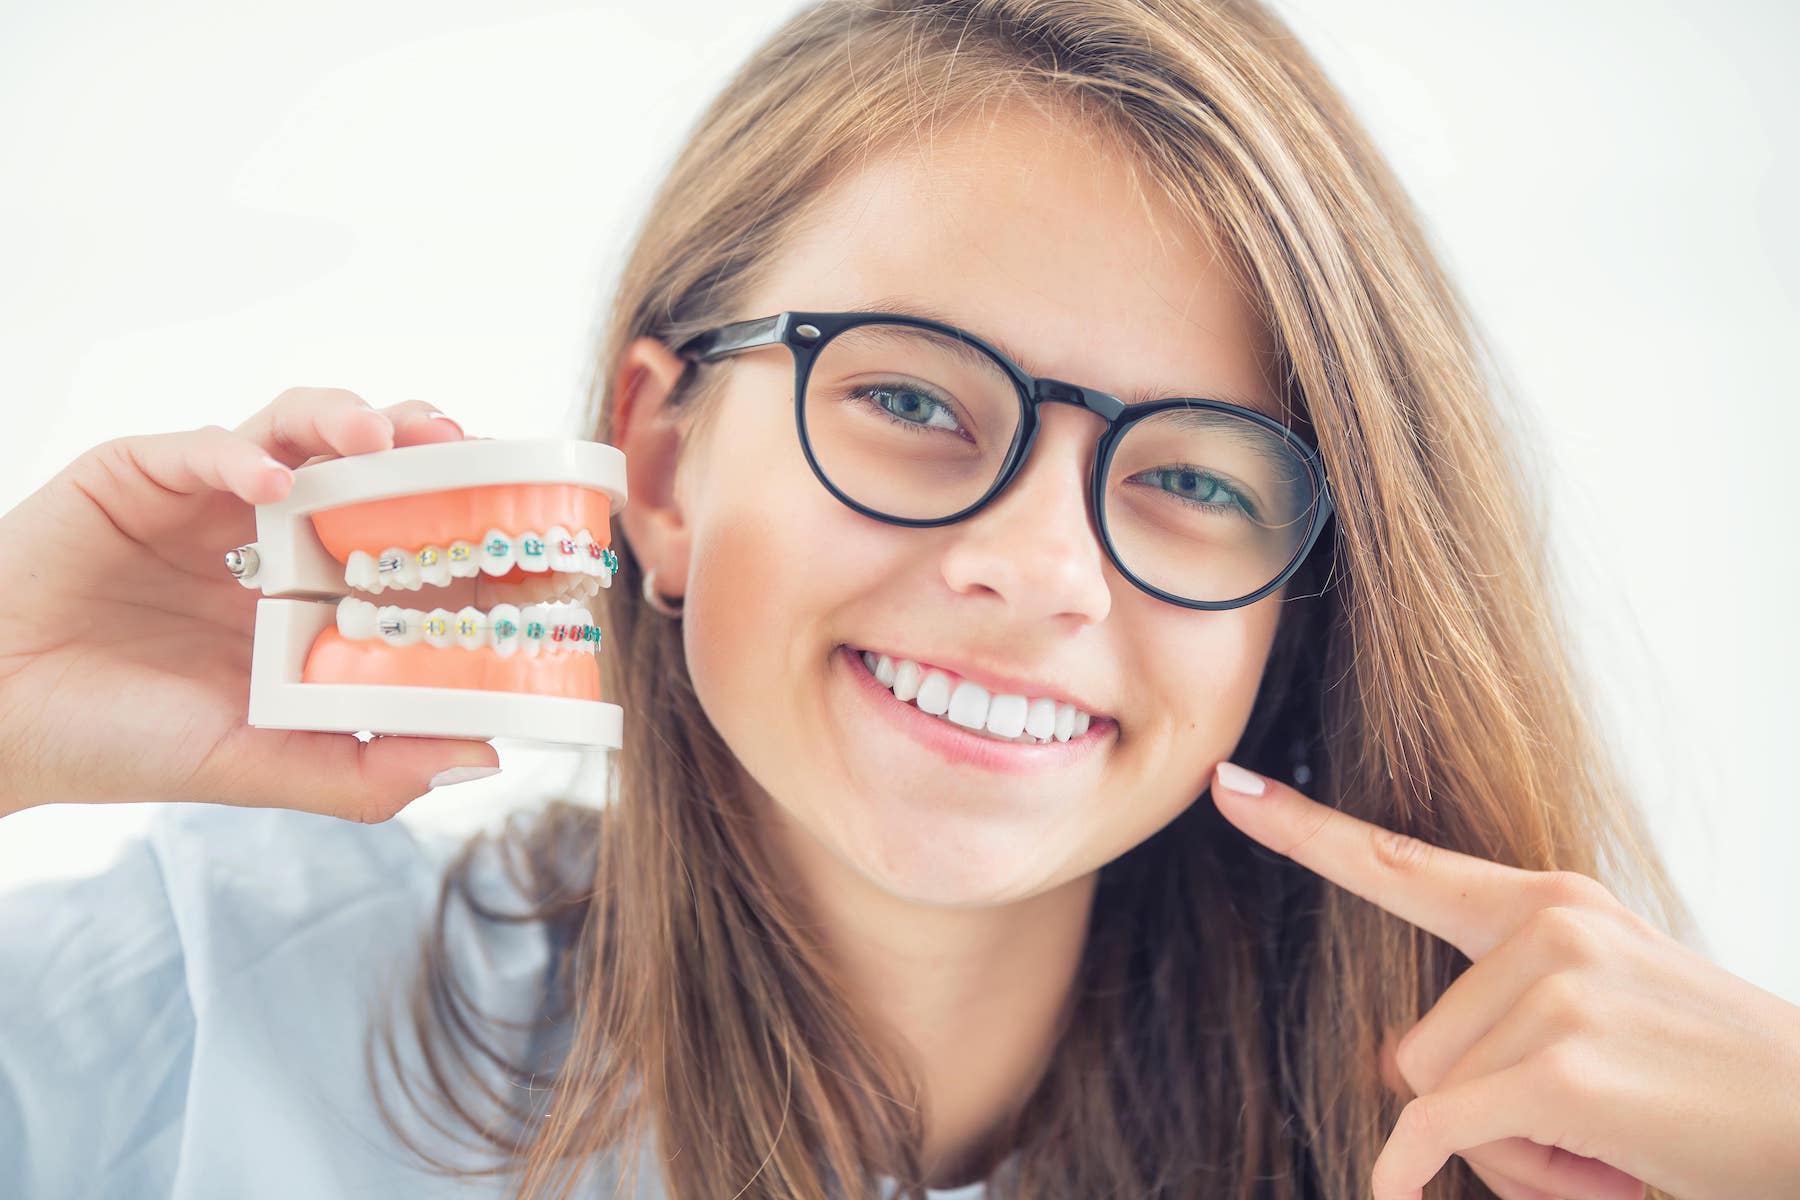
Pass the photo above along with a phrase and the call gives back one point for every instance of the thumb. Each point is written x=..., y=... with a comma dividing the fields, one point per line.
x=337, y=774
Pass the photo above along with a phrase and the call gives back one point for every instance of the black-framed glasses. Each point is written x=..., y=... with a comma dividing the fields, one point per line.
x=1202, y=503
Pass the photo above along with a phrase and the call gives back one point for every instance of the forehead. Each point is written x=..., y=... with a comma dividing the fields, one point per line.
x=1038, y=242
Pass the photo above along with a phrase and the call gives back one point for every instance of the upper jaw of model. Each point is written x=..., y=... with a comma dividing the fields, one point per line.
x=555, y=552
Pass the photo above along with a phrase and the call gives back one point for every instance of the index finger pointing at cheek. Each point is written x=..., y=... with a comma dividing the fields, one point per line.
x=1472, y=903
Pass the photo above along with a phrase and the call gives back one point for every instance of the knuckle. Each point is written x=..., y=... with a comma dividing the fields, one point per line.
x=1569, y=935
x=1408, y=1052
x=1562, y=1003
x=1400, y=851
x=1572, y=889
x=1564, y=1067
x=1419, y=1119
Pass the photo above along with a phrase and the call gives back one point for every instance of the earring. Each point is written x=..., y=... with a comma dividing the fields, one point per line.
x=655, y=601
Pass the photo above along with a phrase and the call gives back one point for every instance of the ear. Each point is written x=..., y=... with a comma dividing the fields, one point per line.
x=646, y=431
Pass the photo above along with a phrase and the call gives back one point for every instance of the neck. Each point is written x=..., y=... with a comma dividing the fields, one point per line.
x=975, y=994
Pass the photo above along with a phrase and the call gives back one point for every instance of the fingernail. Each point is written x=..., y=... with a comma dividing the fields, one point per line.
x=269, y=462
x=438, y=416
x=452, y=775
x=1235, y=779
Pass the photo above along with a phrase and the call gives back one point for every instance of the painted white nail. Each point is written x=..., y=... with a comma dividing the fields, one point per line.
x=461, y=775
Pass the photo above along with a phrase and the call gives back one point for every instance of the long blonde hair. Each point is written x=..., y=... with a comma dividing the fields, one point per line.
x=1222, y=1038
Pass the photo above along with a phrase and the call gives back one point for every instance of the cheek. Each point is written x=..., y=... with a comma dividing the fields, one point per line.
x=760, y=580
x=1207, y=680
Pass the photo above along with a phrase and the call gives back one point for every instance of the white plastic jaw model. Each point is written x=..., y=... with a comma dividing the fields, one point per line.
x=496, y=546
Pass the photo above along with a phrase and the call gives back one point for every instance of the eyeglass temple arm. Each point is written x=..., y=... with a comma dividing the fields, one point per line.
x=729, y=339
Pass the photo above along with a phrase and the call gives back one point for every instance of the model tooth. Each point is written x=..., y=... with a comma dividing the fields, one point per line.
x=532, y=553
x=360, y=573
x=399, y=568
x=397, y=626
x=497, y=556
x=356, y=618
x=438, y=627
x=534, y=627
x=564, y=553
x=503, y=619
x=465, y=560
x=434, y=567
x=587, y=552
x=471, y=628
x=609, y=565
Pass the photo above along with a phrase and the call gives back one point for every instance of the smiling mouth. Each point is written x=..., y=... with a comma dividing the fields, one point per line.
x=1001, y=717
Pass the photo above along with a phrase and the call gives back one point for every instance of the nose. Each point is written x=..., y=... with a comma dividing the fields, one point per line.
x=1035, y=545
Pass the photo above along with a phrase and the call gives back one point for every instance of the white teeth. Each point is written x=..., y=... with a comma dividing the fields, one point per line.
x=507, y=629
x=398, y=568
x=1006, y=716
x=397, y=626
x=906, y=680
x=531, y=553
x=969, y=705
x=504, y=622
x=438, y=627
x=560, y=558
x=564, y=552
x=356, y=618
x=497, y=552
x=934, y=693
x=471, y=627
x=465, y=560
x=1003, y=716
x=360, y=573
x=534, y=627
x=568, y=627
x=434, y=567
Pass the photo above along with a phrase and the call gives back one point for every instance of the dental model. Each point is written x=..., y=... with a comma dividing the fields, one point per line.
x=512, y=536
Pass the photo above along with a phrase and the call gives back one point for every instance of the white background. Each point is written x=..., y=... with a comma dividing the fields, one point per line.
x=204, y=204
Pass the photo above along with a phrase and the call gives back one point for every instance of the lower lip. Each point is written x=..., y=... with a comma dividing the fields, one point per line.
x=959, y=745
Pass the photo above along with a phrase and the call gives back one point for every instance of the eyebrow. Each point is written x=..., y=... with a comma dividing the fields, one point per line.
x=912, y=308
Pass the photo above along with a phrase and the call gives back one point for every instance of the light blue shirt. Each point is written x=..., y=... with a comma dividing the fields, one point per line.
x=189, y=1021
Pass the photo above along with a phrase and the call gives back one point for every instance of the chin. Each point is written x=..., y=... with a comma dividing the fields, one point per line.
x=949, y=863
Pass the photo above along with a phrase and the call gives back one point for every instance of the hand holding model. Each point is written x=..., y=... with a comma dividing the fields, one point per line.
x=125, y=655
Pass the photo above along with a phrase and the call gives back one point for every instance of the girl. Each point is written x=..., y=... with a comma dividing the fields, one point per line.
x=1097, y=718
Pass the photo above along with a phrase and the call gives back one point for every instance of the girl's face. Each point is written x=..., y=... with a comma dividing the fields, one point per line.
x=1026, y=236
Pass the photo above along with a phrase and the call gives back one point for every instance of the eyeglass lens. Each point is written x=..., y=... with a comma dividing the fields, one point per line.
x=1205, y=505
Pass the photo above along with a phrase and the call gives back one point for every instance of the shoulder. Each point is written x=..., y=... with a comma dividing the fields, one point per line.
x=213, y=985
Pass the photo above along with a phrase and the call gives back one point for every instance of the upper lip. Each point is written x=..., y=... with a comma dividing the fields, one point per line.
x=993, y=680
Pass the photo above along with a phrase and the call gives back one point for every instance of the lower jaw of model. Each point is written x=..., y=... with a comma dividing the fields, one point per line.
x=529, y=555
